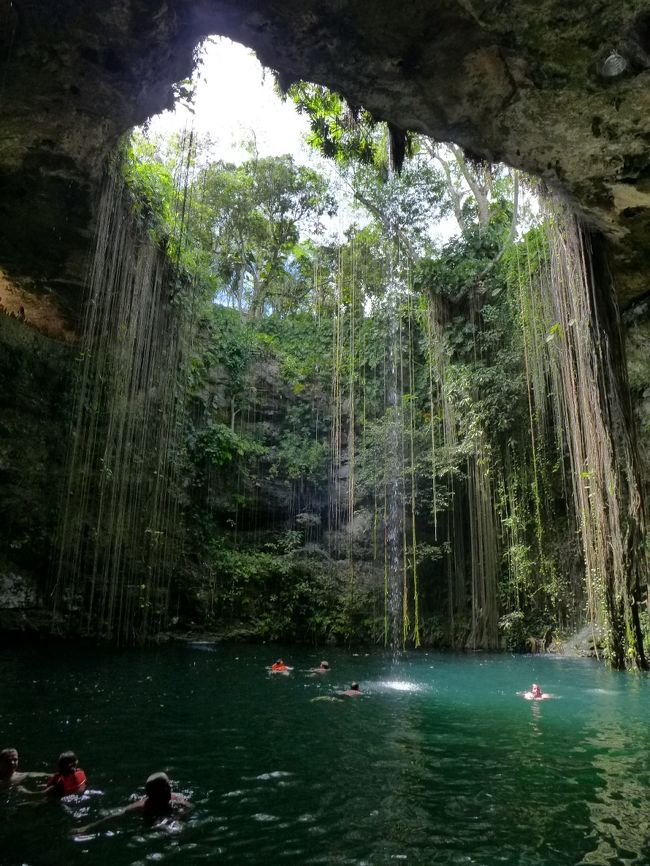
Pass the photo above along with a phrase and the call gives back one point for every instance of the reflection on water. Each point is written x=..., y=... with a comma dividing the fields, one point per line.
x=398, y=686
x=620, y=827
x=439, y=762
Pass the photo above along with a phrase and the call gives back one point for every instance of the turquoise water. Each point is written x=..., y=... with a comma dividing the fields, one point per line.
x=440, y=762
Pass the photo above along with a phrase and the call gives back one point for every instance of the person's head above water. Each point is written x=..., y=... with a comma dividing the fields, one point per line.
x=536, y=691
x=8, y=763
x=67, y=763
x=325, y=665
x=354, y=687
x=158, y=787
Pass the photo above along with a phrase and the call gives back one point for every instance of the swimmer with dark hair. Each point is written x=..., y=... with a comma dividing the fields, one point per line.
x=159, y=800
x=158, y=804
x=69, y=778
x=353, y=691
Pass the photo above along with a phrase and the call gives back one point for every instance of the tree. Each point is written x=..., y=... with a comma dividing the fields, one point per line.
x=255, y=216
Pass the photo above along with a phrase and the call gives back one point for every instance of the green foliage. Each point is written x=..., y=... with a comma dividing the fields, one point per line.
x=158, y=174
x=220, y=445
x=485, y=374
x=337, y=130
x=300, y=457
x=151, y=180
x=256, y=215
x=241, y=231
x=302, y=344
x=277, y=595
x=227, y=341
x=462, y=272
x=298, y=356
x=513, y=630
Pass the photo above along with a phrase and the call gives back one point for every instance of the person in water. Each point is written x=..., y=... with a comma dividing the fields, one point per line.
x=69, y=778
x=158, y=804
x=9, y=774
x=353, y=691
x=323, y=668
x=159, y=800
x=279, y=667
x=536, y=693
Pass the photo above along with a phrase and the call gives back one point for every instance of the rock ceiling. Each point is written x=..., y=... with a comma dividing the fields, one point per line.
x=559, y=89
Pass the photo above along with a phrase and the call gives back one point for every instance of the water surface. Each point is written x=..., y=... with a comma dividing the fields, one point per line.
x=439, y=762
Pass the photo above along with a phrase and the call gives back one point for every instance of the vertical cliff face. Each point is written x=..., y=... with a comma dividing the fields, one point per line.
x=559, y=91
x=35, y=384
x=73, y=77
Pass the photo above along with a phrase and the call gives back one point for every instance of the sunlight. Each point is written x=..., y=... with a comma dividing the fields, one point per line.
x=235, y=103
x=400, y=686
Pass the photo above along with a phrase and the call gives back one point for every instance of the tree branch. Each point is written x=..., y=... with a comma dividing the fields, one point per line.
x=513, y=225
x=479, y=191
x=375, y=211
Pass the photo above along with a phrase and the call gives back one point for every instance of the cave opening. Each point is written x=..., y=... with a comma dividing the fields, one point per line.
x=479, y=535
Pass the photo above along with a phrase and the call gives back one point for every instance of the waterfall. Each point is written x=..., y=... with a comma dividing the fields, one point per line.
x=396, y=289
x=394, y=459
x=119, y=533
x=393, y=427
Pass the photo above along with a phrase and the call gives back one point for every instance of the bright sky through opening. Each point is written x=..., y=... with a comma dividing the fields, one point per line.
x=234, y=101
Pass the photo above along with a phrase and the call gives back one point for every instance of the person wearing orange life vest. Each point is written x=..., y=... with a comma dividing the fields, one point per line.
x=69, y=779
x=279, y=667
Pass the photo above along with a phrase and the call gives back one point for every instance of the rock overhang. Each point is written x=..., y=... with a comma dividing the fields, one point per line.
x=523, y=83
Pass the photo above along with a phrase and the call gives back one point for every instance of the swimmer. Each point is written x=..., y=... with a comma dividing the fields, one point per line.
x=323, y=668
x=159, y=800
x=69, y=779
x=353, y=691
x=535, y=694
x=158, y=804
x=279, y=667
x=9, y=774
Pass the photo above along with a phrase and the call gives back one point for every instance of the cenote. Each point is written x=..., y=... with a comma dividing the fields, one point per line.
x=368, y=381
x=440, y=761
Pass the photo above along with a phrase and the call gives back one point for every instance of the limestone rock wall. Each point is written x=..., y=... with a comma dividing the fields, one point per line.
x=35, y=406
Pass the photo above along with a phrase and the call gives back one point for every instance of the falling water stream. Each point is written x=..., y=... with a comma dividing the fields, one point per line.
x=394, y=456
x=396, y=289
